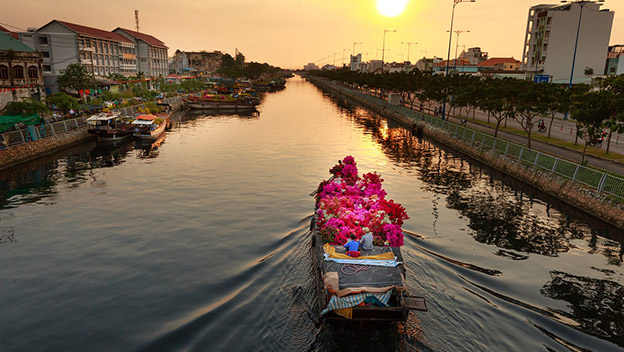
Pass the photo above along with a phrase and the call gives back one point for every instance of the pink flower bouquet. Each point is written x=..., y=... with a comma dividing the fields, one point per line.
x=348, y=204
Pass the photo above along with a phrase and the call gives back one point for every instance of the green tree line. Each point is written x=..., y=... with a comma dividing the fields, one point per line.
x=594, y=110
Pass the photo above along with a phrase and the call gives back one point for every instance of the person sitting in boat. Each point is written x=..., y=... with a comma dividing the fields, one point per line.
x=366, y=242
x=352, y=247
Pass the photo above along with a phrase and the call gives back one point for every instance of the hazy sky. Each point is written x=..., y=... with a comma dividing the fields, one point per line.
x=291, y=33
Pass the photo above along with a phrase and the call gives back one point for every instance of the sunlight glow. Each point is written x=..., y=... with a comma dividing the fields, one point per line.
x=391, y=8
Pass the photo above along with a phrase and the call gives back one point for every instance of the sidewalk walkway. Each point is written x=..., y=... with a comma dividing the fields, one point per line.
x=560, y=132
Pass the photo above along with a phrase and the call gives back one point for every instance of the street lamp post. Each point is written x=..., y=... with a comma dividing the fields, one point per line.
x=354, y=44
x=408, y=47
x=448, y=56
x=457, y=48
x=344, y=56
x=582, y=4
x=384, y=47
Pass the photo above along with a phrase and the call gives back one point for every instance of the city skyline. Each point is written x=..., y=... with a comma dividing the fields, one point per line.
x=292, y=33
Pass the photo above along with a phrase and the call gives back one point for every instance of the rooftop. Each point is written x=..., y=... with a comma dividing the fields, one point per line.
x=9, y=43
x=498, y=61
x=92, y=32
x=151, y=40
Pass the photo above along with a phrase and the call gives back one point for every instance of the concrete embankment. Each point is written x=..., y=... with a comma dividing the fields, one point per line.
x=24, y=152
x=568, y=192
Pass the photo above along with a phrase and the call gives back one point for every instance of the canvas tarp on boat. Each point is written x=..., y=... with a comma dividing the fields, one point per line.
x=342, y=281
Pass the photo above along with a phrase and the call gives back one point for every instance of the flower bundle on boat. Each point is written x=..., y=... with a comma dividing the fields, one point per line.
x=372, y=285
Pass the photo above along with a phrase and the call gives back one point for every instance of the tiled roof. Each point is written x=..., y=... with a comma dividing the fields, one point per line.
x=460, y=62
x=7, y=43
x=498, y=61
x=12, y=34
x=153, y=41
x=94, y=32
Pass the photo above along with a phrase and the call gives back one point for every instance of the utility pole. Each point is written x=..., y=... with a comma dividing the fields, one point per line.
x=383, y=50
x=136, y=19
x=408, y=48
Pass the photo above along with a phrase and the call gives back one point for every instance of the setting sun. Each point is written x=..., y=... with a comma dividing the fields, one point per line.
x=391, y=8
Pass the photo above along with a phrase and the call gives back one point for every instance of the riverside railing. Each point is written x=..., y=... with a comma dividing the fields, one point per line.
x=600, y=181
x=33, y=133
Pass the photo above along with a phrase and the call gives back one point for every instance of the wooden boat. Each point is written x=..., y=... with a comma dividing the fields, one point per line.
x=366, y=288
x=109, y=127
x=242, y=104
x=149, y=127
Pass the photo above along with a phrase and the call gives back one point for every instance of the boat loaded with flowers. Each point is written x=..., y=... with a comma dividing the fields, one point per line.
x=222, y=103
x=369, y=285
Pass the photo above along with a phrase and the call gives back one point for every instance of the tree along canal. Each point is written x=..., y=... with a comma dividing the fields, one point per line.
x=200, y=242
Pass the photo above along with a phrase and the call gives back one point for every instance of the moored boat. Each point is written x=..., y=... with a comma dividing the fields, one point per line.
x=367, y=285
x=222, y=103
x=109, y=126
x=149, y=126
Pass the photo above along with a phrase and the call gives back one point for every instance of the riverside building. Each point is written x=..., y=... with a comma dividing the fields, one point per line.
x=551, y=36
x=63, y=43
x=151, y=52
x=20, y=71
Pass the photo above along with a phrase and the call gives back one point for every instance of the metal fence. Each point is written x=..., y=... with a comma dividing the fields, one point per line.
x=600, y=181
x=33, y=133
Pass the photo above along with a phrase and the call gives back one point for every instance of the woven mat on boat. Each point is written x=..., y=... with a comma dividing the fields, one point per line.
x=374, y=276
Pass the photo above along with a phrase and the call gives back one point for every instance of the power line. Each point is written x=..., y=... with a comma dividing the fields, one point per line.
x=8, y=25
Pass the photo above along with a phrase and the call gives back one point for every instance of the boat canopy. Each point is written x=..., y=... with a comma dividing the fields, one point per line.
x=142, y=122
x=102, y=117
x=146, y=117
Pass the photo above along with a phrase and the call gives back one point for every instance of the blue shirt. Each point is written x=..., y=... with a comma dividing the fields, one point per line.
x=352, y=246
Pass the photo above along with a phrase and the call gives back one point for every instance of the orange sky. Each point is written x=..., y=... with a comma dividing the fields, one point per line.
x=291, y=33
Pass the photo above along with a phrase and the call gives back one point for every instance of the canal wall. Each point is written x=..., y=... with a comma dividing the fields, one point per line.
x=571, y=193
x=51, y=138
x=25, y=152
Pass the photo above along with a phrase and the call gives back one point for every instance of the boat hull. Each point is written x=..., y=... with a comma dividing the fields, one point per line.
x=151, y=135
x=220, y=107
x=111, y=135
x=398, y=312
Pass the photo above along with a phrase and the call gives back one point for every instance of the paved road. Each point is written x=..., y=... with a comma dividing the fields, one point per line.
x=561, y=129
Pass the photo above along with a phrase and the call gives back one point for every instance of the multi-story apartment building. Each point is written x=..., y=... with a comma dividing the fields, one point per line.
x=180, y=62
x=204, y=62
x=62, y=43
x=551, y=37
x=20, y=70
x=151, y=52
x=615, y=64
x=474, y=56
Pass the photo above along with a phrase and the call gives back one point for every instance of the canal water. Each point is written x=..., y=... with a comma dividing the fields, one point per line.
x=200, y=242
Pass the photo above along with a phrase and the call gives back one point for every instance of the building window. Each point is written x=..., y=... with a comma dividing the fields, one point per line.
x=43, y=40
x=18, y=72
x=45, y=54
x=33, y=72
x=47, y=68
x=4, y=72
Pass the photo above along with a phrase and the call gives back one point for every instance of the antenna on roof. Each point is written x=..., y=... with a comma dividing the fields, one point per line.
x=136, y=19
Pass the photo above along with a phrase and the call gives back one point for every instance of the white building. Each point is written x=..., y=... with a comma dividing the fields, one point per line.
x=474, y=56
x=551, y=35
x=356, y=61
x=151, y=52
x=310, y=67
x=62, y=43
